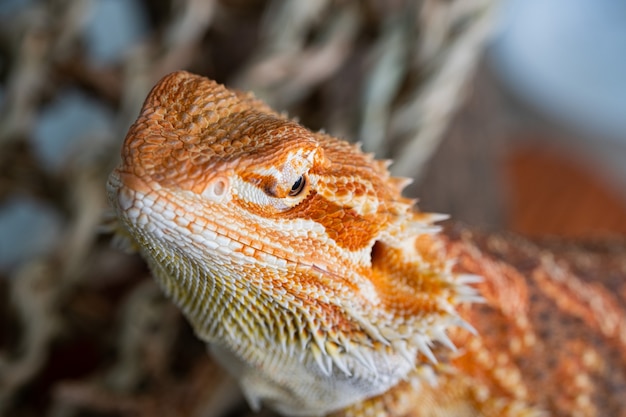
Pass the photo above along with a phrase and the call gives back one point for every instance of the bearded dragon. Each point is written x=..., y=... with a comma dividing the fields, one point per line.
x=323, y=290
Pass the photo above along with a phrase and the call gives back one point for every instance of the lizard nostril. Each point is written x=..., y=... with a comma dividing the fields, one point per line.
x=219, y=187
x=216, y=189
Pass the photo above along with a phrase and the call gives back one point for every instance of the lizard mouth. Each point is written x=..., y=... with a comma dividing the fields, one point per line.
x=116, y=185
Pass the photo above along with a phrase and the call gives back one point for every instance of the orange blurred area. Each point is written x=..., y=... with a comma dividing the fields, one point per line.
x=553, y=193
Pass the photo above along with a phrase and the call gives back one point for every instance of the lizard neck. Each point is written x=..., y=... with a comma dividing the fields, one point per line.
x=259, y=340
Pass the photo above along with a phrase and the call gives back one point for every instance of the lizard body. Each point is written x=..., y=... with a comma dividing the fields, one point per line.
x=322, y=289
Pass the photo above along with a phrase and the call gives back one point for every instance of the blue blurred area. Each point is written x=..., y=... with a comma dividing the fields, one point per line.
x=10, y=7
x=72, y=122
x=28, y=228
x=112, y=28
x=568, y=59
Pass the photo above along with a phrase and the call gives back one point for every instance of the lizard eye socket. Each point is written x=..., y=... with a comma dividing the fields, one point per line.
x=298, y=186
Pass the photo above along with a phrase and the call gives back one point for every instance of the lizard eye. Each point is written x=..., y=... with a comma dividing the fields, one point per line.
x=298, y=186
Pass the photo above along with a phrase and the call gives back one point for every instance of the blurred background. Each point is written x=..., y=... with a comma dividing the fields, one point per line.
x=509, y=114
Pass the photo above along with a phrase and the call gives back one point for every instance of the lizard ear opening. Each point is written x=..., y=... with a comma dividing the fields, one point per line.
x=377, y=252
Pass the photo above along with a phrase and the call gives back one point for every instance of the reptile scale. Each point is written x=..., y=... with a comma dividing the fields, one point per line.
x=295, y=257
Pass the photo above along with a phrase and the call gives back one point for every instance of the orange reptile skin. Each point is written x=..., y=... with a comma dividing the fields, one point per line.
x=324, y=291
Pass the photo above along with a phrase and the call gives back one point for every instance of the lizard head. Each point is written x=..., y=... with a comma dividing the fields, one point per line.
x=274, y=238
x=233, y=159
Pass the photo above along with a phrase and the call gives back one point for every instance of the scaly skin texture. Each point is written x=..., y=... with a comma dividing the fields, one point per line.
x=323, y=290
